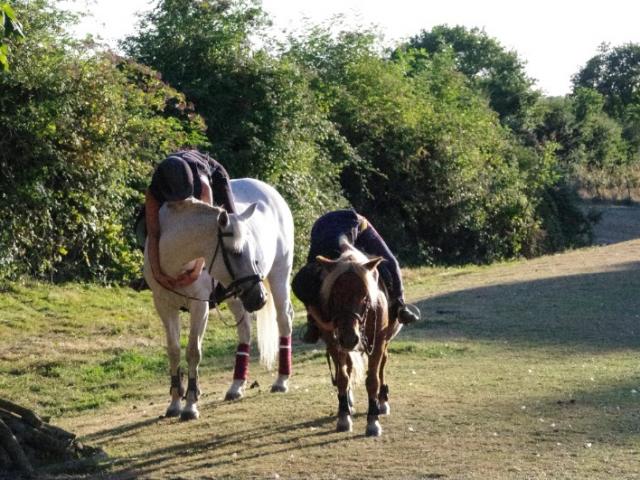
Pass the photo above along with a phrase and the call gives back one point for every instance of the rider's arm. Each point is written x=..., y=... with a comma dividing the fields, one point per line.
x=207, y=195
x=192, y=275
x=152, y=208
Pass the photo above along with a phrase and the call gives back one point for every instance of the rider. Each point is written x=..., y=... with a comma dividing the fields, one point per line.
x=325, y=240
x=183, y=174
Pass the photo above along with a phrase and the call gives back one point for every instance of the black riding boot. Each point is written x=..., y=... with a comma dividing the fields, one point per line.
x=312, y=334
x=404, y=315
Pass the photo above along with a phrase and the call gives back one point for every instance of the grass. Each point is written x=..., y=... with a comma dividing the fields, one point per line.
x=524, y=369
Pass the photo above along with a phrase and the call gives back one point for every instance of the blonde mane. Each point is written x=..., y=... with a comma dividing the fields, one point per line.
x=351, y=260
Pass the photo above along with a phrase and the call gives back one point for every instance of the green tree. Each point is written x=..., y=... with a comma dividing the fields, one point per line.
x=10, y=28
x=615, y=73
x=498, y=73
x=431, y=166
x=263, y=120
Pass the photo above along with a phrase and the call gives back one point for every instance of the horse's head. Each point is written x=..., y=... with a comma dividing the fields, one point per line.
x=349, y=292
x=241, y=269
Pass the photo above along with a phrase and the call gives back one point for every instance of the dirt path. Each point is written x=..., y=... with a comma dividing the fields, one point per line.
x=618, y=223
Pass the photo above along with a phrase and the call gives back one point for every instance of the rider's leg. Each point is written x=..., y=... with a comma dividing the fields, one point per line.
x=372, y=243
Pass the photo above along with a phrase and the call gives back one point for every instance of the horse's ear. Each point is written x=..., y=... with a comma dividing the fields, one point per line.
x=223, y=219
x=326, y=262
x=373, y=263
x=248, y=212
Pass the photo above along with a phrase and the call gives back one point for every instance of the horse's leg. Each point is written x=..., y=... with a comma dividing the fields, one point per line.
x=374, y=429
x=241, y=369
x=350, y=396
x=171, y=321
x=279, y=283
x=383, y=395
x=199, y=316
x=340, y=359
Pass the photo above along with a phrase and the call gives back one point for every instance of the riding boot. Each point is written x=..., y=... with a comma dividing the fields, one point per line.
x=312, y=334
x=402, y=312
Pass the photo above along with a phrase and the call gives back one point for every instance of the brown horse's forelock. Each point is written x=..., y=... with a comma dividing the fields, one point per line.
x=346, y=265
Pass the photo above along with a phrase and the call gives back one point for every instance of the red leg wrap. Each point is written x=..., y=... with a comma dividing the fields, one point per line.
x=284, y=363
x=241, y=370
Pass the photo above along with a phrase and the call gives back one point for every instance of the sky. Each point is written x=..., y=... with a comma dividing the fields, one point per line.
x=554, y=37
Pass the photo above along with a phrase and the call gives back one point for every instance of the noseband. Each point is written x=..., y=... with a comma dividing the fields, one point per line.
x=361, y=319
x=234, y=289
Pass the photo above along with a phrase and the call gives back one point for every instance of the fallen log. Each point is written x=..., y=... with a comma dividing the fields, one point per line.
x=28, y=443
x=10, y=444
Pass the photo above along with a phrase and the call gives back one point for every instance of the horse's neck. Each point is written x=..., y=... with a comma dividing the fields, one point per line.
x=186, y=238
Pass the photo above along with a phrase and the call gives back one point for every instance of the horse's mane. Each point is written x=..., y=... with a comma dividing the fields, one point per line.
x=351, y=260
x=196, y=208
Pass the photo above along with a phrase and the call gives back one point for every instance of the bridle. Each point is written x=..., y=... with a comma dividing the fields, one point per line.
x=234, y=289
x=361, y=319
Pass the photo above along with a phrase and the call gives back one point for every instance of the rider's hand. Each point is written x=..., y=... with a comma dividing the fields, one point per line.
x=187, y=278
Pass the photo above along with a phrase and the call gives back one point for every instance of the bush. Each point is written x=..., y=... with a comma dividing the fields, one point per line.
x=80, y=133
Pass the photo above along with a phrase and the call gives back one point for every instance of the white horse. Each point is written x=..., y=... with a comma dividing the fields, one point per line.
x=240, y=251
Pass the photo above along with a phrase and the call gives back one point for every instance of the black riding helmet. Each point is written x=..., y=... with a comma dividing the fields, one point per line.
x=173, y=179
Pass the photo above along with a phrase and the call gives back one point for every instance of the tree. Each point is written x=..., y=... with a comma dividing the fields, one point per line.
x=82, y=131
x=497, y=72
x=263, y=120
x=615, y=74
x=10, y=28
x=431, y=166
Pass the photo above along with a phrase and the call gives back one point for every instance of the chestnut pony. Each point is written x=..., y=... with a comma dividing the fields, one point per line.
x=356, y=324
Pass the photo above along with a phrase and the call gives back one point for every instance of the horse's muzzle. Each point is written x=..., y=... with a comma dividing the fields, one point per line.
x=254, y=297
x=348, y=340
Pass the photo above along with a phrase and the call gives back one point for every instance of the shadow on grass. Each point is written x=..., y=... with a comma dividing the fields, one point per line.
x=251, y=444
x=591, y=311
x=605, y=413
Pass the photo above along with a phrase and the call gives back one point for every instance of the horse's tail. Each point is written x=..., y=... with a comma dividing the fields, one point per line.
x=268, y=341
x=358, y=367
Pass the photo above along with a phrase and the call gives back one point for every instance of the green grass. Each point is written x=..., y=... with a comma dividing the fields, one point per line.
x=76, y=347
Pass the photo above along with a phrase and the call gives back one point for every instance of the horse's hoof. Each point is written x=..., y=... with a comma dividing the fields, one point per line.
x=173, y=411
x=191, y=414
x=233, y=395
x=374, y=429
x=384, y=408
x=279, y=388
x=345, y=424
